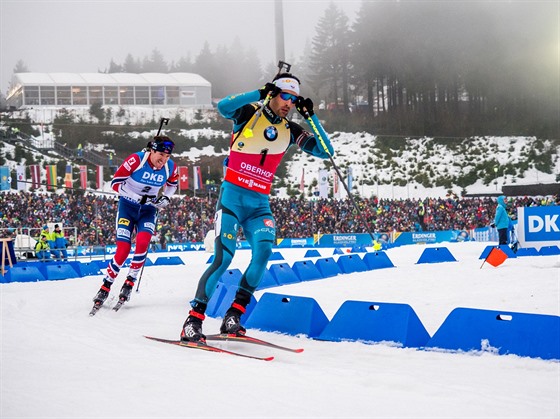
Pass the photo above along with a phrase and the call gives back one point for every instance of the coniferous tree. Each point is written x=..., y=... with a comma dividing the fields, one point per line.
x=114, y=67
x=21, y=67
x=155, y=63
x=330, y=57
x=184, y=65
x=131, y=65
x=205, y=65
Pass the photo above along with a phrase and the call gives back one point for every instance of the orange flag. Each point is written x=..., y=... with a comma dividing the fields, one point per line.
x=496, y=257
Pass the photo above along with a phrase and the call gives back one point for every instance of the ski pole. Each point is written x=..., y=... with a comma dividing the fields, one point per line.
x=144, y=264
x=248, y=132
x=162, y=122
x=321, y=135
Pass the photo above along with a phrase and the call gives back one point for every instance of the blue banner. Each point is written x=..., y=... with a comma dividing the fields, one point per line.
x=538, y=226
x=5, y=178
x=342, y=240
x=303, y=242
x=416, y=237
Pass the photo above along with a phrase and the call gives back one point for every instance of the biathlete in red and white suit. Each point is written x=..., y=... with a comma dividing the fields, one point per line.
x=138, y=182
x=244, y=197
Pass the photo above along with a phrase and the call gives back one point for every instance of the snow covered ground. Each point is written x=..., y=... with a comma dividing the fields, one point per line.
x=57, y=362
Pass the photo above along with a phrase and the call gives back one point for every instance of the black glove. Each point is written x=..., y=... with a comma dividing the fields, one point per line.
x=493, y=225
x=269, y=87
x=302, y=103
x=161, y=202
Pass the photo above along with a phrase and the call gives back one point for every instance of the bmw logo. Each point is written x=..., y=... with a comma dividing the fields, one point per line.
x=271, y=133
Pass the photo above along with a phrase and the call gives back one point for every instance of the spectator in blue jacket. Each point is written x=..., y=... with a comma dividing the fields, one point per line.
x=60, y=242
x=502, y=220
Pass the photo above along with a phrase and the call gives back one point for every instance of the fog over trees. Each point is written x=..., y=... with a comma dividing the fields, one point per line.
x=420, y=68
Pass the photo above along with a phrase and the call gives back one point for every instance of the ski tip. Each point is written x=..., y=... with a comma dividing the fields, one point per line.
x=298, y=351
x=270, y=358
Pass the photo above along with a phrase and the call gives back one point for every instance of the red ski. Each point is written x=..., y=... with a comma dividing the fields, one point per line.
x=250, y=339
x=205, y=347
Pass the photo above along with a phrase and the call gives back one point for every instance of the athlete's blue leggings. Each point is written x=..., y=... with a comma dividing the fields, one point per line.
x=239, y=207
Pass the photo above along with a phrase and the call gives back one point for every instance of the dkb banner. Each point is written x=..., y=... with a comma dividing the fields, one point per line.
x=538, y=226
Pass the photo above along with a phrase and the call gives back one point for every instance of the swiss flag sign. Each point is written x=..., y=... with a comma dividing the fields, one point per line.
x=183, y=178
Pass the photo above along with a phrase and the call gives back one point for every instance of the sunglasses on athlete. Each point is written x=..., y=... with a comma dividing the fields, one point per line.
x=288, y=96
x=164, y=146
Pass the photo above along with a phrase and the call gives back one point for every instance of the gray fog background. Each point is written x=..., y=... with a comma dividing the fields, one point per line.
x=83, y=36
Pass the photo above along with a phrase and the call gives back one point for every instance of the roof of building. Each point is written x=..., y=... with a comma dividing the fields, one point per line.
x=112, y=79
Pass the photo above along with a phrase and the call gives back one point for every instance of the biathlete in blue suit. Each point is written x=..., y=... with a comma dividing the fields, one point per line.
x=138, y=182
x=244, y=197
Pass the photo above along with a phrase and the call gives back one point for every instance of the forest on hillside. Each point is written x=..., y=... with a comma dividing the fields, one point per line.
x=408, y=69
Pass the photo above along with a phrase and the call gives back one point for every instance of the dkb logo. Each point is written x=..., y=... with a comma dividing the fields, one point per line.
x=548, y=223
x=539, y=226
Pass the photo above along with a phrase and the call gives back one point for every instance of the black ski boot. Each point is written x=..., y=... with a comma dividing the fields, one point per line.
x=100, y=297
x=231, y=324
x=192, y=328
x=103, y=293
x=126, y=289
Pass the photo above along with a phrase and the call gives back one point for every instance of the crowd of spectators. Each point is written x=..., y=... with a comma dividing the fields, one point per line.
x=188, y=219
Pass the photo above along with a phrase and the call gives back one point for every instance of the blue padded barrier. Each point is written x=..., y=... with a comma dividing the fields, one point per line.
x=283, y=274
x=231, y=277
x=288, y=314
x=351, y=263
x=276, y=256
x=54, y=271
x=312, y=253
x=306, y=270
x=328, y=267
x=85, y=269
x=549, y=251
x=376, y=322
x=527, y=251
x=101, y=263
x=504, y=247
x=210, y=259
x=23, y=273
x=169, y=260
x=267, y=281
x=532, y=335
x=149, y=262
x=358, y=248
x=216, y=299
x=338, y=251
x=225, y=300
x=377, y=260
x=436, y=255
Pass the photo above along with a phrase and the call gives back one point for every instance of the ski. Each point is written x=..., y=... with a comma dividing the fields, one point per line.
x=95, y=309
x=250, y=339
x=205, y=347
x=118, y=305
x=98, y=305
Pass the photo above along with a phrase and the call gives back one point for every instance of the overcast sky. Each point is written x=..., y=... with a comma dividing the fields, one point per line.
x=83, y=36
